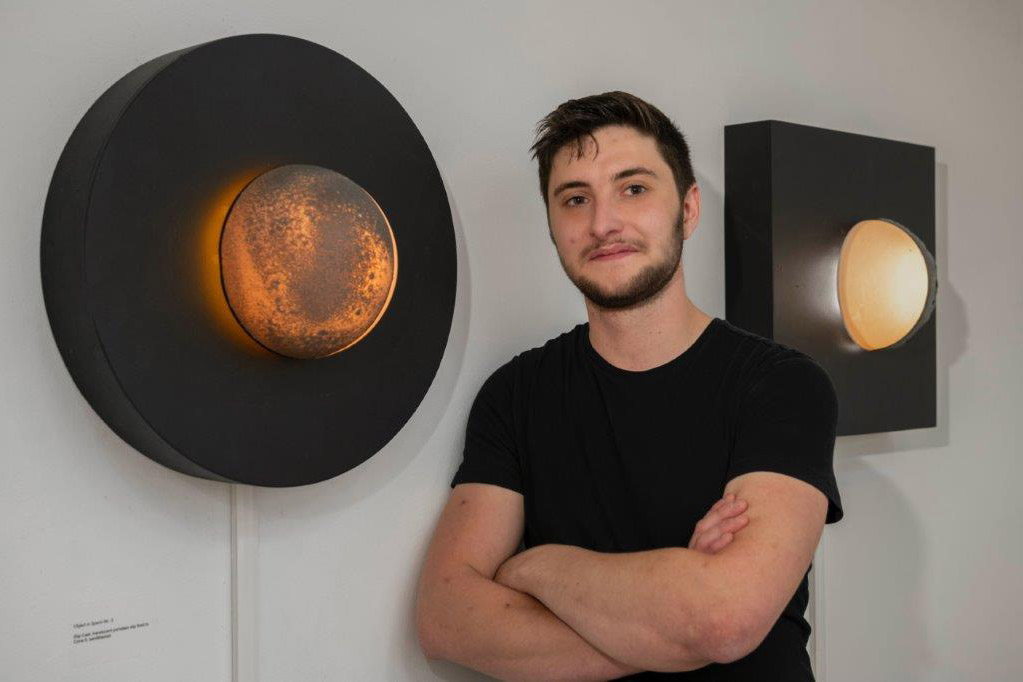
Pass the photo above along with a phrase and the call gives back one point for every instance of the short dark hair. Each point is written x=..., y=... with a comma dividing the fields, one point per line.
x=577, y=118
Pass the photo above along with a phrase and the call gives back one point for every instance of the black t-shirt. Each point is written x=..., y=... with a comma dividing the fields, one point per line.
x=614, y=460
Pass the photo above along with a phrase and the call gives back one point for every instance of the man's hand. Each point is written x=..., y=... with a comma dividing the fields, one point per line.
x=719, y=525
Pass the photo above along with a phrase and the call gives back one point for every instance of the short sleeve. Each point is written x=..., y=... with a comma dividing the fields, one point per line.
x=786, y=423
x=490, y=454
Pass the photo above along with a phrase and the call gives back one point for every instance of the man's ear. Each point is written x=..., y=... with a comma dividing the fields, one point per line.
x=691, y=211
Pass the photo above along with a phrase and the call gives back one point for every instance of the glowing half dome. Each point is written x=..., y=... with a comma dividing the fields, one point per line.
x=886, y=283
x=308, y=261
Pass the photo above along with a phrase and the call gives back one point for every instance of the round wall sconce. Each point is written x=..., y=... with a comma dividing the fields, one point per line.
x=220, y=261
x=886, y=284
x=308, y=261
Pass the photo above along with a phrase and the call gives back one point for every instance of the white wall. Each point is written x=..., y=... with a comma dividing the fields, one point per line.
x=920, y=581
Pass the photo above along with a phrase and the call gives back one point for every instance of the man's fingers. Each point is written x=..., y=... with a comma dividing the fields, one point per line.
x=724, y=517
x=724, y=500
x=715, y=516
x=721, y=543
x=726, y=508
x=736, y=507
x=733, y=524
x=726, y=526
x=706, y=540
x=709, y=540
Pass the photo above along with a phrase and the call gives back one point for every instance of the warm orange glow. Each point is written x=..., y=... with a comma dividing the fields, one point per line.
x=212, y=225
x=885, y=283
x=308, y=261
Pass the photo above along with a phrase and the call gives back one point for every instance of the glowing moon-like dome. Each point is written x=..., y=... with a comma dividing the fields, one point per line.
x=308, y=261
x=886, y=283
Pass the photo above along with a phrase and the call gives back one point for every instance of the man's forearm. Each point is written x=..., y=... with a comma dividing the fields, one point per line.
x=504, y=633
x=625, y=604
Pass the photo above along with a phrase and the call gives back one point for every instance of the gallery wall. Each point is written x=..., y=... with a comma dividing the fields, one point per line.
x=920, y=581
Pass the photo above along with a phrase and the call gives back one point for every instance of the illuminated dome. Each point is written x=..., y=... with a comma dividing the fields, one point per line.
x=886, y=283
x=308, y=261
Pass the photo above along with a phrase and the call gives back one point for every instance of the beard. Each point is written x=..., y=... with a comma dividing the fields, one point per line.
x=646, y=283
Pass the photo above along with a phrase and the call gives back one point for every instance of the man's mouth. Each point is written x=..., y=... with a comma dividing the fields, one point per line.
x=612, y=252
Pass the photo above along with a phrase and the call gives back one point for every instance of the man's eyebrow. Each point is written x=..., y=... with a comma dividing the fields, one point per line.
x=628, y=172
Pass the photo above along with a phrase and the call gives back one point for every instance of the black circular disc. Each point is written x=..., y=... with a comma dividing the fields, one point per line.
x=131, y=278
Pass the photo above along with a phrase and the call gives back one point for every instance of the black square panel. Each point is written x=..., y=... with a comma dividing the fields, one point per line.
x=792, y=193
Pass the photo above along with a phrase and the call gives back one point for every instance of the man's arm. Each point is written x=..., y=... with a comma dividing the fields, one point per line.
x=664, y=608
x=464, y=616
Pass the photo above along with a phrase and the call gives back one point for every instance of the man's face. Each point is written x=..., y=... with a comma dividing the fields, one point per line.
x=616, y=218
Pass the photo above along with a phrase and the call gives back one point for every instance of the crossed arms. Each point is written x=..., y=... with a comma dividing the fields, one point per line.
x=563, y=612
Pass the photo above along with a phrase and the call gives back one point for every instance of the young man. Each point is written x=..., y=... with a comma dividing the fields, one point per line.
x=602, y=449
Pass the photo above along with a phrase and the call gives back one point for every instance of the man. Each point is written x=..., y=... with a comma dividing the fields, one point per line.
x=602, y=449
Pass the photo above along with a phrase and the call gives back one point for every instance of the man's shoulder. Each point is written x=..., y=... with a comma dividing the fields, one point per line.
x=556, y=349
x=550, y=355
x=751, y=357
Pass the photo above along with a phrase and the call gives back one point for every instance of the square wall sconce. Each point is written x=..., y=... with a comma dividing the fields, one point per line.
x=829, y=243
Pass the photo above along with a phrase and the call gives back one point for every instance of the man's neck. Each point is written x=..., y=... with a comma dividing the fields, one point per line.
x=648, y=336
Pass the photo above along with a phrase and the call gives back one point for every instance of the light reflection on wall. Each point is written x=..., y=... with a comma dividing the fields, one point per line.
x=308, y=261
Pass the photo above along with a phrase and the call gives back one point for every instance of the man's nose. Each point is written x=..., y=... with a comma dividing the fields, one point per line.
x=605, y=219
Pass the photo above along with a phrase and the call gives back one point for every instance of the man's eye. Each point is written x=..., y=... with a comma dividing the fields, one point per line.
x=639, y=187
x=571, y=200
